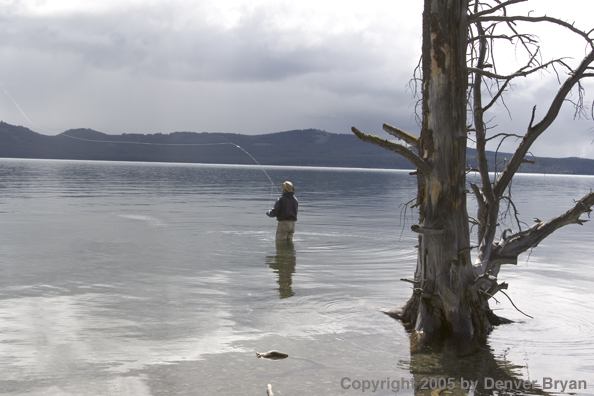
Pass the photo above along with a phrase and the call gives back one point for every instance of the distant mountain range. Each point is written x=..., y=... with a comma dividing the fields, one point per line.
x=309, y=147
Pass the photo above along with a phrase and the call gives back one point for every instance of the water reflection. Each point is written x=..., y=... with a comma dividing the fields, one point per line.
x=283, y=263
x=481, y=373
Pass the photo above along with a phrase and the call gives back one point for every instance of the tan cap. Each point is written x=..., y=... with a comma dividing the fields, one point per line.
x=288, y=186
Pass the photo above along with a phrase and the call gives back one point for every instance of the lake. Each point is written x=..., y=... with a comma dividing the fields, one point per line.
x=165, y=279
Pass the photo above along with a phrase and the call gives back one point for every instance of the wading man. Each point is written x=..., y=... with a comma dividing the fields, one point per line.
x=285, y=211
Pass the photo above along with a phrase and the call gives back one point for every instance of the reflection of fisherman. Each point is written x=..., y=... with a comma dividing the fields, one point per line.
x=283, y=264
x=285, y=211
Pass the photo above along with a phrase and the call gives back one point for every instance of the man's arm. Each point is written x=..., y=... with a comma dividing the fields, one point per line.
x=276, y=210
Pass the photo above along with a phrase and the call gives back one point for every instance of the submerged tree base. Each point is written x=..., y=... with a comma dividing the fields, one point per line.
x=443, y=335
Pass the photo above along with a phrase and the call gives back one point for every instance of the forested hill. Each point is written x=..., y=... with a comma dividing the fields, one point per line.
x=310, y=147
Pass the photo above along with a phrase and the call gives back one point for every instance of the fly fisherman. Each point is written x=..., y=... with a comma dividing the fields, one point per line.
x=285, y=211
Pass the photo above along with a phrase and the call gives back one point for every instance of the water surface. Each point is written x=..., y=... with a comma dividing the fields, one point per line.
x=165, y=279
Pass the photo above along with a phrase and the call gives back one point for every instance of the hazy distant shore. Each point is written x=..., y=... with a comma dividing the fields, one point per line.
x=310, y=147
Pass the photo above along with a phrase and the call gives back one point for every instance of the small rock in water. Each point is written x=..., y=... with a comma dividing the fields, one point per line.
x=274, y=355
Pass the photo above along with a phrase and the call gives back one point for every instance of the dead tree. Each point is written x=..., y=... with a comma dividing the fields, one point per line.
x=460, y=83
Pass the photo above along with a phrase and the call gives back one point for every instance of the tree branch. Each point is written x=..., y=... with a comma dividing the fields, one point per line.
x=506, y=136
x=512, y=76
x=494, y=99
x=521, y=241
x=512, y=303
x=518, y=73
x=504, y=215
x=479, y=124
x=474, y=16
x=400, y=134
x=427, y=230
x=489, y=211
x=407, y=153
x=493, y=18
x=481, y=211
x=534, y=131
x=502, y=36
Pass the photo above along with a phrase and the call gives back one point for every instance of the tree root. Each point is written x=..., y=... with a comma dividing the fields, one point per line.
x=496, y=320
x=406, y=314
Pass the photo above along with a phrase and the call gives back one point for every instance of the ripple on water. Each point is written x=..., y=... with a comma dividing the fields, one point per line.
x=564, y=327
x=562, y=330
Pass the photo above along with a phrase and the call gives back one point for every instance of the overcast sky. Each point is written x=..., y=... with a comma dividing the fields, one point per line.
x=245, y=66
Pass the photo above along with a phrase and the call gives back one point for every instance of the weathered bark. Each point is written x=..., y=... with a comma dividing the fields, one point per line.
x=444, y=300
x=397, y=148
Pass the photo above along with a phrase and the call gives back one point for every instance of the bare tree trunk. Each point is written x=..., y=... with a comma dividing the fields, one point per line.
x=447, y=299
x=444, y=301
x=444, y=268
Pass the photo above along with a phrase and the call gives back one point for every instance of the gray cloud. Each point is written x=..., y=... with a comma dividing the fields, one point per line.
x=176, y=66
x=136, y=71
x=251, y=51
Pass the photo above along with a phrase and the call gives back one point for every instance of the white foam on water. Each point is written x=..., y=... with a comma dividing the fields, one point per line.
x=152, y=221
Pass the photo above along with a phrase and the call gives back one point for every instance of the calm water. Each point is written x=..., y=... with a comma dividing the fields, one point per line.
x=162, y=279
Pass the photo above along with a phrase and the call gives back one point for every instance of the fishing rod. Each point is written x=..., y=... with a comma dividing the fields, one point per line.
x=19, y=108
x=178, y=144
x=2, y=84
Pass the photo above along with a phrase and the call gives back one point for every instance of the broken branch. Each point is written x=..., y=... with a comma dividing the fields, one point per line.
x=407, y=153
x=400, y=134
x=524, y=240
x=426, y=230
x=512, y=303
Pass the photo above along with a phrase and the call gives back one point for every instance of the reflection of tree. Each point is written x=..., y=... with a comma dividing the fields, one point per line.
x=283, y=263
x=442, y=360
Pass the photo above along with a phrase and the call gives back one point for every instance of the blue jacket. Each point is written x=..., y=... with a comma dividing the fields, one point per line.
x=285, y=207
